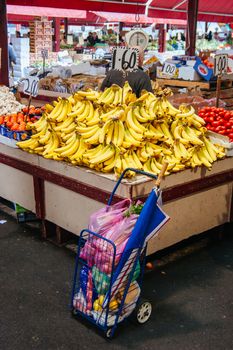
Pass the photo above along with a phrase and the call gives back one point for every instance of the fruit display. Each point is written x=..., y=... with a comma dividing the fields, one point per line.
x=21, y=120
x=218, y=120
x=8, y=102
x=112, y=130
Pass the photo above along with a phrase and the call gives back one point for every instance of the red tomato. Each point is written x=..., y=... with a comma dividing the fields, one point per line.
x=227, y=116
x=231, y=135
x=211, y=119
x=222, y=132
x=216, y=123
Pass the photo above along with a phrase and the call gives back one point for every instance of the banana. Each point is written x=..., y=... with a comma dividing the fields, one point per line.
x=27, y=144
x=69, y=129
x=52, y=145
x=135, y=135
x=104, y=94
x=66, y=110
x=177, y=151
x=107, y=153
x=188, y=114
x=90, y=131
x=165, y=129
x=147, y=166
x=94, y=139
x=121, y=133
x=56, y=111
x=139, y=117
x=116, y=97
x=140, y=156
x=73, y=148
x=144, y=113
x=109, y=98
x=67, y=146
x=154, y=167
x=192, y=138
x=81, y=117
x=104, y=130
x=79, y=109
x=137, y=161
x=133, y=123
x=64, y=124
x=115, y=133
x=42, y=131
x=43, y=140
x=183, y=150
x=109, y=133
x=91, y=111
x=82, y=148
x=202, y=158
x=196, y=160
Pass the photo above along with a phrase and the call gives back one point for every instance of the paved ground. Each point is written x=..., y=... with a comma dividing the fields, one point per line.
x=192, y=297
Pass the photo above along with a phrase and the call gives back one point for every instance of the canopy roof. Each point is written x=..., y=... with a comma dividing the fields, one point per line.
x=209, y=10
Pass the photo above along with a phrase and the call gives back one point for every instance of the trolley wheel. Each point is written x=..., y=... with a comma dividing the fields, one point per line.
x=74, y=312
x=143, y=311
x=108, y=333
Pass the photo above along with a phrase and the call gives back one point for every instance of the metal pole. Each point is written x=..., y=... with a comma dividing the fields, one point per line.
x=162, y=38
x=57, y=23
x=66, y=27
x=218, y=90
x=4, y=63
x=191, y=27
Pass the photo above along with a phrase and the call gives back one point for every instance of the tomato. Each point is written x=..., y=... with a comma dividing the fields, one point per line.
x=1, y=120
x=231, y=135
x=227, y=116
x=201, y=114
x=228, y=124
x=211, y=119
x=229, y=131
x=221, y=132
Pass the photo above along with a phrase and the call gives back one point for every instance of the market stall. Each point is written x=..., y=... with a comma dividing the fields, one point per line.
x=66, y=196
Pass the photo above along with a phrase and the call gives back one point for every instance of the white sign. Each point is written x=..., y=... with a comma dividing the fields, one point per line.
x=31, y=86
x=169, y=69
x=125, y=59
x=220, y=64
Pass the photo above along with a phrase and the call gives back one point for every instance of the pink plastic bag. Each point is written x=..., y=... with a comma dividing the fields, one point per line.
x=108, y=216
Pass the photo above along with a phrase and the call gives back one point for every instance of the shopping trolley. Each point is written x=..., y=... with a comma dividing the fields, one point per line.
x=98, y=295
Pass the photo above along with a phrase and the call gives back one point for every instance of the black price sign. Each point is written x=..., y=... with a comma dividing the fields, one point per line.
x=125, y=59
x=220, y=64
x=31, y=86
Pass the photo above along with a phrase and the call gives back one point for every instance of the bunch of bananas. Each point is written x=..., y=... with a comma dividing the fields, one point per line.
x=112, y=130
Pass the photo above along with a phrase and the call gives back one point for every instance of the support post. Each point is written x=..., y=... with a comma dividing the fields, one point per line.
x=4, y=63
x=162, y=38
x=57, y=23
x=191, y=27
x=66, y=23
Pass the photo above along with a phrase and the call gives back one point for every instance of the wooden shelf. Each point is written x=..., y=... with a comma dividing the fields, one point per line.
x=183, y=83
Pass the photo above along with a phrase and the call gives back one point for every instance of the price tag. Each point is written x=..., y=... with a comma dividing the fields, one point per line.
x=31, y=86
x=125, y=59
x=220, y=64
x=45, y=53
x=169, y=69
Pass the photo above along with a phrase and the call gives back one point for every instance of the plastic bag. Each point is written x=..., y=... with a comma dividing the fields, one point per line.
x=108, y=216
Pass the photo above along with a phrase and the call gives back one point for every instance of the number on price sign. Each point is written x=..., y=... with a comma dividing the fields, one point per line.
x=31, y=86
x=220, y=64
x=169, y=69
x=125, y=59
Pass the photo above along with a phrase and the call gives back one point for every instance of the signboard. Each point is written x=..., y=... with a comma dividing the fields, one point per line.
x=169, y=69
x=31, y=86
x=125, y=59
x=220, y=64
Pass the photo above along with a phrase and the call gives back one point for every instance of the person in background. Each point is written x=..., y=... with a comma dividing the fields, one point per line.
x=11, y=55
x=90, y=40
x=138, y=79
x=96, y=40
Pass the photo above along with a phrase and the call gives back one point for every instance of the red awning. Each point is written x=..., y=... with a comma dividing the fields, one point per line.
x=130, y=18
x=209, y=10
x=45, y=11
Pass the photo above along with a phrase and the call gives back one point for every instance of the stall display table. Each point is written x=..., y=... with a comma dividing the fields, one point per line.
x=196, y=200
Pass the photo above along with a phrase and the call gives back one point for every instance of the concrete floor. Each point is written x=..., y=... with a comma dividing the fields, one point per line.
x=192, y=299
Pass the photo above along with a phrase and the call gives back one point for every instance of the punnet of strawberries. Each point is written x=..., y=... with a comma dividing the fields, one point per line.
x=218, y=120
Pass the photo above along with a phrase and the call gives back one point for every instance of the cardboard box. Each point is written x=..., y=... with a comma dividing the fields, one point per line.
x=188, y=73
x=204, y=71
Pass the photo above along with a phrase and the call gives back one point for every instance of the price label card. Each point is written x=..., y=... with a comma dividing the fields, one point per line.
x=220, y=64
x=31, y=86
x=169, y=69
x=125, y=59
x=45, y=53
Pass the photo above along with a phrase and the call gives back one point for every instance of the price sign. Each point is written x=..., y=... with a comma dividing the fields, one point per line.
x=45, y=53
x=169, y=69
x=125, y=59
x=31, y=86
x=220, y=64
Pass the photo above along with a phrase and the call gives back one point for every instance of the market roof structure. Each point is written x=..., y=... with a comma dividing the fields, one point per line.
x=209, y=10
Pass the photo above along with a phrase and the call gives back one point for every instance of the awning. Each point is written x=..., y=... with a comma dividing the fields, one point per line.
x=209, y=10
x=45, y=11
x=130, y=18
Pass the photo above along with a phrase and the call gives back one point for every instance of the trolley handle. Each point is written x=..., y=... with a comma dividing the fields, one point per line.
x=121, y=177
